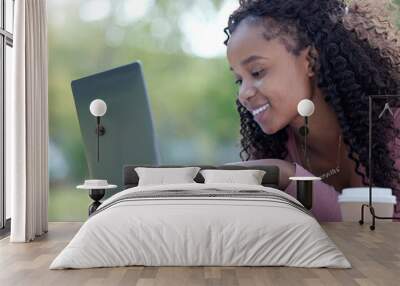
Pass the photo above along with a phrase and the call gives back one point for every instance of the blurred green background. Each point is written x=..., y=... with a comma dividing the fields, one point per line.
x=191, y=89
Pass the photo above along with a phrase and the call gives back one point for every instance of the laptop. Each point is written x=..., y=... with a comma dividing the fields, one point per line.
x=129, y=131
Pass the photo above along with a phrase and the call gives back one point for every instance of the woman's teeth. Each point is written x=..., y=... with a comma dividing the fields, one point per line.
x=260, y=109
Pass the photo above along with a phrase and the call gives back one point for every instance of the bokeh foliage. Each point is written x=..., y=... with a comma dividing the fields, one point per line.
x=192, y=98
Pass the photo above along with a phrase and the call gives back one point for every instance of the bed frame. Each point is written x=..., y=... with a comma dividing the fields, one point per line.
x=270, y=179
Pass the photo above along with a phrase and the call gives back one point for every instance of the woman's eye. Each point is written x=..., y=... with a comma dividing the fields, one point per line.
x=238, y=82
x=257, y=73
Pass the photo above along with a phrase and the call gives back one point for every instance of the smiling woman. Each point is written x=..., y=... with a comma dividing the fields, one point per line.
x=284, y=51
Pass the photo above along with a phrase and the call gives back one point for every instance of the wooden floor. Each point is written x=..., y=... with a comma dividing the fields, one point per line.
x=375, y=257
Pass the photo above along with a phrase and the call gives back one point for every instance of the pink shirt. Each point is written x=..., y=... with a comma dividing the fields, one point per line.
x=325, y=197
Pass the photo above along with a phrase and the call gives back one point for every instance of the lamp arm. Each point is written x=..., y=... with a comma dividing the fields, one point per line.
x=98, y=137
x=305, y=140
x=100, y=131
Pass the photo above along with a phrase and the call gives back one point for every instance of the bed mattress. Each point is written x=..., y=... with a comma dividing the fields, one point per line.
x=201, y=225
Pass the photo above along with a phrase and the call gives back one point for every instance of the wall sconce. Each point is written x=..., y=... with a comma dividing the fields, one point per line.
x=305, y=108
x=98, y=108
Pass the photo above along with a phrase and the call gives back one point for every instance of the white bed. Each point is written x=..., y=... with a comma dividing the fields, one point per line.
x=207, y=230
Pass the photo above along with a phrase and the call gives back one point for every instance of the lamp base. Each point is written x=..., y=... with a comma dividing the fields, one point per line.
x=96, y=195
x=305, y=193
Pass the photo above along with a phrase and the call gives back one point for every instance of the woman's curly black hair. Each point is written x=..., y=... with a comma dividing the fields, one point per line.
x=347, y=71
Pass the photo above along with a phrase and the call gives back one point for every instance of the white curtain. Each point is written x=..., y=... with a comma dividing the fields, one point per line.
x=27, y=123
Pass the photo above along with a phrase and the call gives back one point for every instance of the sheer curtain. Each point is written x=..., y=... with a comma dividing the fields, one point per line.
x=27, y=123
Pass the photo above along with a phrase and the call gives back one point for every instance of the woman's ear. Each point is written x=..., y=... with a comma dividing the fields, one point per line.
x=311, y=60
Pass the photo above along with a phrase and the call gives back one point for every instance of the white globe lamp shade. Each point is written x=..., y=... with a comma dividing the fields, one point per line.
x=305, y=107
x=98, y=107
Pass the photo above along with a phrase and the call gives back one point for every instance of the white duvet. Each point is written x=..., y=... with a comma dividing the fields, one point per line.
x=200, y=231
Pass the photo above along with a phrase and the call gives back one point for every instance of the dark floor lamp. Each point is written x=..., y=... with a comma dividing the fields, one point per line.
x=98, y=108
x=305, y=108
x=305, y=184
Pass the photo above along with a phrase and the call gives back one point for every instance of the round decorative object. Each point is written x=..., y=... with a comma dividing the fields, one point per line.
x=96, y=184
x=305, y=107
x=97, y=189
x=98, y=107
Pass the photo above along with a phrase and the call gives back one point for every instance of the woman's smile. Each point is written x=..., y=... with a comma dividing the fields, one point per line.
x=259, y=112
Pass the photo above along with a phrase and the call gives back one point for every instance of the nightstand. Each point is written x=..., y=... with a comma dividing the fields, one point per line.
x=305, y=190
x=97, y=190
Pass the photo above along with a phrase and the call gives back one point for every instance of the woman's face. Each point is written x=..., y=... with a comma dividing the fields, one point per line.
x=271, y=80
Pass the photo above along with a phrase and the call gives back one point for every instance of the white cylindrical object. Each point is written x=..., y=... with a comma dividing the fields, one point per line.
x=305, y=107
x=352, y=199
x=98, y=107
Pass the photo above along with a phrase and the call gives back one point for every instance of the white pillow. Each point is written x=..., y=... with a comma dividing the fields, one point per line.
x=248, y=177
x=161, y=176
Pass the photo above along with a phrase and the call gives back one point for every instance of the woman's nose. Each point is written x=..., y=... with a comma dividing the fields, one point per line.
x=245, y=93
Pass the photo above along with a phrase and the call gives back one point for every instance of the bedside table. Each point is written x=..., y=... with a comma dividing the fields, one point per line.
x=305, y=189
x=97, y=190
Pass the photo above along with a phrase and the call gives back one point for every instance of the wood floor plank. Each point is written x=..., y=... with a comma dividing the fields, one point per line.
x=212, y=272
x=374, y=255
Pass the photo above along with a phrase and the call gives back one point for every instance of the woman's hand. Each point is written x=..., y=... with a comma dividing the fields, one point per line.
x=286, y=169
